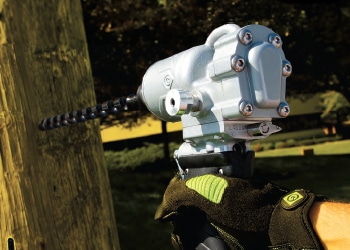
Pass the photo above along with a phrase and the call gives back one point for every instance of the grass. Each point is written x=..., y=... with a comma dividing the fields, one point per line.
x=318, y=147
x=326, y=175
x=136, y=196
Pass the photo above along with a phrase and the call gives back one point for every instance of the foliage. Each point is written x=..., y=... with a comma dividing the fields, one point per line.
x=125, y=37
x=136, y=159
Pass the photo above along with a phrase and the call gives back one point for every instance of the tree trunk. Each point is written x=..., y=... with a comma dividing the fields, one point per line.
x=54, y=187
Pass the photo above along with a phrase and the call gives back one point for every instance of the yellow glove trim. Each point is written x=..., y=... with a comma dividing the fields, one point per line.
x=210, y=186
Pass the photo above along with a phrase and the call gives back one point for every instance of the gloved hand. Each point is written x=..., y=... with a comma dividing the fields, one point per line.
x=246, y=214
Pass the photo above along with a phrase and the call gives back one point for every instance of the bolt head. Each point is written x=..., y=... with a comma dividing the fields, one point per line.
x=246, y=108
x=275, y=40
x=286, y=68
x=245, y=37
x=283, y=109
x=237, y=63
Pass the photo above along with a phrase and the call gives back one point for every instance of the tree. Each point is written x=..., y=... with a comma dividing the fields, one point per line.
x=54, y=188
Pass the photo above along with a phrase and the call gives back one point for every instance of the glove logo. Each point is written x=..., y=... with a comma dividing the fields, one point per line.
x=293, y=199
x=290, y=199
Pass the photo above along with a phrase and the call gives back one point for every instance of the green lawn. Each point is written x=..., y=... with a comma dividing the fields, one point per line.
x=325, y=148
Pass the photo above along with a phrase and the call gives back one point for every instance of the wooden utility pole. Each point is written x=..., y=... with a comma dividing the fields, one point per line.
x=54, y=188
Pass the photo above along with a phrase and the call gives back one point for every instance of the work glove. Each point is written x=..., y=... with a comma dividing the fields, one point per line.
x=217, y=212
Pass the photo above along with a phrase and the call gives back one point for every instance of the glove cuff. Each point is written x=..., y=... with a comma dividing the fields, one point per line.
x=290, y=225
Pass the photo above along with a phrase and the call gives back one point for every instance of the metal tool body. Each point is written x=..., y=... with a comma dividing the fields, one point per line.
x=225, y=92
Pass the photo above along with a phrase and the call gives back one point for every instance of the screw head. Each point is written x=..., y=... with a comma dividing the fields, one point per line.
x=283, y=109
x=275, y=40
x=237, y=63
x=245, y=37
x=286, y=68
x=246, y=108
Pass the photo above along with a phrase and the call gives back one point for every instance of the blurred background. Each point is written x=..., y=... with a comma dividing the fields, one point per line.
x=125, y=37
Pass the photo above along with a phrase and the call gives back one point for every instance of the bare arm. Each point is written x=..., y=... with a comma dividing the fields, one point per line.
x=331, y=221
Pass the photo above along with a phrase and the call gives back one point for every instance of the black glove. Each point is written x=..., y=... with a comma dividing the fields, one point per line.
x=246, y=214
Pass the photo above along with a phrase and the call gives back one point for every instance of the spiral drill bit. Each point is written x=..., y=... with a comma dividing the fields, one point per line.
x=98, y=111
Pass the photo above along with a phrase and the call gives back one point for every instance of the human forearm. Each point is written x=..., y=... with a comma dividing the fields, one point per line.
x=331, y=221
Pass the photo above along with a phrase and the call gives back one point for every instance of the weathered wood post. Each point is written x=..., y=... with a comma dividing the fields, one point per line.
x=54, y=187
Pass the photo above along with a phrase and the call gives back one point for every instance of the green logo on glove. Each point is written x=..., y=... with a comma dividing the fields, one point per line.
x=292, y=198
x=209, y=186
